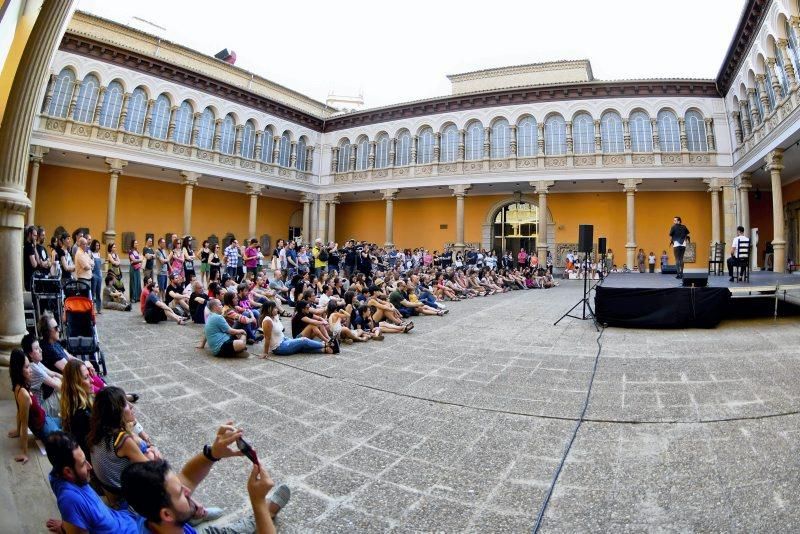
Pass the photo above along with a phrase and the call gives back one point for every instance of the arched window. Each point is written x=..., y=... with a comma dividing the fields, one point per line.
x=159, y=118
x=285, y=152
x=794, y=49
x=425, y=146
x=112, y=106
x=300, y=161
x=669, y=133
x=267, y=144
x=205, y=130
x=641, y=132
x=183, y=123
x=62, y=94
x=696, y=132
x=402, y=149
x=362, y=154
x=780, y=71
x=249, y=140
x=343, y=165
x=137, y=107
x=527, y=137
x=555, y=136
x=501, y=144
x=449, y=149
x=87, y=99
x=227, y=133
x=583, y=134
x=611, y=133
x=382, y=151
x=473, y=141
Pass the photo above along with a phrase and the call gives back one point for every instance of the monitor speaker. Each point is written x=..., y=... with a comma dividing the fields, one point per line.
x=601, y=245
x=669, y=269
x=695, y=280
x=585, y=240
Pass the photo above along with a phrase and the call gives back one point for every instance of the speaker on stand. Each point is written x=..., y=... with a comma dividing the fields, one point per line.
x=585, y=244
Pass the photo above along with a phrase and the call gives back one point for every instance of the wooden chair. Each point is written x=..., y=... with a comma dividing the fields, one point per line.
x=716, y=263
x=742, y=267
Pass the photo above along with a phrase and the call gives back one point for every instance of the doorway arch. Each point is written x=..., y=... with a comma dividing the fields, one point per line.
x=488, y=227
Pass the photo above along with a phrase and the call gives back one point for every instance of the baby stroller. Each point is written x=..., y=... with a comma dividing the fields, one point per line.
x=80, y=332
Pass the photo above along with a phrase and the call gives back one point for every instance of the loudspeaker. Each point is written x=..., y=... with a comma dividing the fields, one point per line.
x=585, y=240
x=669, y=269
x=601, y=245
x=695, y=280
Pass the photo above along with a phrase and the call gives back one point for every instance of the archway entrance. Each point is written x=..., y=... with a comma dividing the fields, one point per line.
x=516, y=226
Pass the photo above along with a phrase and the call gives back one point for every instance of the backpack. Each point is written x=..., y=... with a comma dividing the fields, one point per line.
x=323, y=254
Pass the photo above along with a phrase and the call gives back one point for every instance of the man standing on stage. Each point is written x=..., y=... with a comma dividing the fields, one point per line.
x=679, y=238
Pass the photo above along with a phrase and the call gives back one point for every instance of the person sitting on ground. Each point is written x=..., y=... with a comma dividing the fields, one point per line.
x=30, y=415
x=54, y=355
x=278, y=285
x=145, y=293
x=163, y=498
x=76, y=402
x=240, y=319
x=197, y=302
x=385, y=311
x=339, y=322
x=306, y=324
x=174, y=297
x=278, y=344
x=114, y=299
x=45, y=383
x=399, y=299
x=155, y=311
x=223, y=340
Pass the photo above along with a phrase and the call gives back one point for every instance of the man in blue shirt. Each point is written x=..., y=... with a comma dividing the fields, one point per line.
x=224, y=341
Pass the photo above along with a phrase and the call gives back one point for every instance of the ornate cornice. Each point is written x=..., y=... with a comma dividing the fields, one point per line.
x=752, y=17
x=526, y=95
x=84, y=46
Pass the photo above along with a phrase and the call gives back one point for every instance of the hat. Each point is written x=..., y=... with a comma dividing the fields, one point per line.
x=378, y=282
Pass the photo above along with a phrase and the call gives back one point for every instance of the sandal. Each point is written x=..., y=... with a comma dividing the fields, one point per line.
x=279, y=496
x=408, y=328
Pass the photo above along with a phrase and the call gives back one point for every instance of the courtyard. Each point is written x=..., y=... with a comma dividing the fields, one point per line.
x=461, y=425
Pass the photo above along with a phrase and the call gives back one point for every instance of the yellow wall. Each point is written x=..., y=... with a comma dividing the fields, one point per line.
x=18, y=21
x=75, y=198
x=417, y=221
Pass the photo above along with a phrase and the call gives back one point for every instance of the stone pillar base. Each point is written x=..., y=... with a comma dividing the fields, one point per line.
x=630, y=255
x=109, y=236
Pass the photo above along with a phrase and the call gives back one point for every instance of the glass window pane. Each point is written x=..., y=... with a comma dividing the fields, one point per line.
x=159, y=118
x=611, y=133
x=527, y=137
x=501, y=144
x=696, y=132
x=137, y=107
x=583, y=134
x=473, y=142
x=641, y=132
x=669, y=133
x=555, y=136
x=267, y=144
x=112, y=106
x=87, y=99
x=62, y=94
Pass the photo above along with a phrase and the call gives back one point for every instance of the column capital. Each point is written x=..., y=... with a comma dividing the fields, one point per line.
x=332, y=198
x=744, y=181
x=38, y=152
x=253, y=189
x=389, y=194
x=306, y=198
x=714, y=185
x=629, y=184
x=115, y=165
x=760, y=77
x=771, y=61
x=774, y=160
x=782, y=43
x=460, y=190
x=190, y=178
x=542, y=186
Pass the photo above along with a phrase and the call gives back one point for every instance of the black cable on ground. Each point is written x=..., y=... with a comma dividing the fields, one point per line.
x=580, y=420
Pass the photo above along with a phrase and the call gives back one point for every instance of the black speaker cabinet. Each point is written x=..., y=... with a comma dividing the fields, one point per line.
x=669, y=269
x=585, y=239
x=601, y=245
x=695, y=280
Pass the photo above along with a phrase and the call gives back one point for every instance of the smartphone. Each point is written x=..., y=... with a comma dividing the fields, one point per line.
x=248, y=451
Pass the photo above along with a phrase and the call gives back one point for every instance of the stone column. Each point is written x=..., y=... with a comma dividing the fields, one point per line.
x=322, y=217
x=761, y=89
x=123, y=114
x=37, y=155
x=76, y=89
x=629, y=186
x=437, y=147
x=773, y=79
x=542, y=244
x=598, y=140
x=307, y=199
x=253, y=190
x=310, y=159
x=217, y=135
x=293, y=154
x=189, y=182
x=460, y=191
x=570, y=139
x=728, y=207
x=783, y=46
x=173, y=117
x=389, y=195
x=392, y=151
x=746, y=124
x=351, y=164
x=333, y=200
x=371, y=155
x=710, y=139
x=540, y=139
x=460, y=156
x=737, y=128
x=276, y=149
x=115, y=167
x=412, y=159
x=656, y=138
x=744, y=201
x=48, y=97
x=487, y=143
x=775, y=165
x=335, y=160
x=684, y=138
x=259, y=145
x=626, y=135
x=237, y=143
x=512, y=138
x=755, y=114
x=714, y=188
x=195, y=128
x=98, y=108
x=15, y=137
x=148, y=118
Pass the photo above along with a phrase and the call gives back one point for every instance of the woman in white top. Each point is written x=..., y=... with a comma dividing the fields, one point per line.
x=276, y=341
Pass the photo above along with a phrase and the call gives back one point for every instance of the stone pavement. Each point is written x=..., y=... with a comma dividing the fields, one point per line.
x=460, y=425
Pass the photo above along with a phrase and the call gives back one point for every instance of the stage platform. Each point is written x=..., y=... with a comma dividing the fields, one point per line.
x=636, y=300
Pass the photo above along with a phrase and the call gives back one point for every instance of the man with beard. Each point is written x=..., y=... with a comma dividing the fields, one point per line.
x=160, y=497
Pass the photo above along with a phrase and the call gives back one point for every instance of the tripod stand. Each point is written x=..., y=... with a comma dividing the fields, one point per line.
x=585, y=300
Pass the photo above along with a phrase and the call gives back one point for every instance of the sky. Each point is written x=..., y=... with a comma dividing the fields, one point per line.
x=393, y=52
